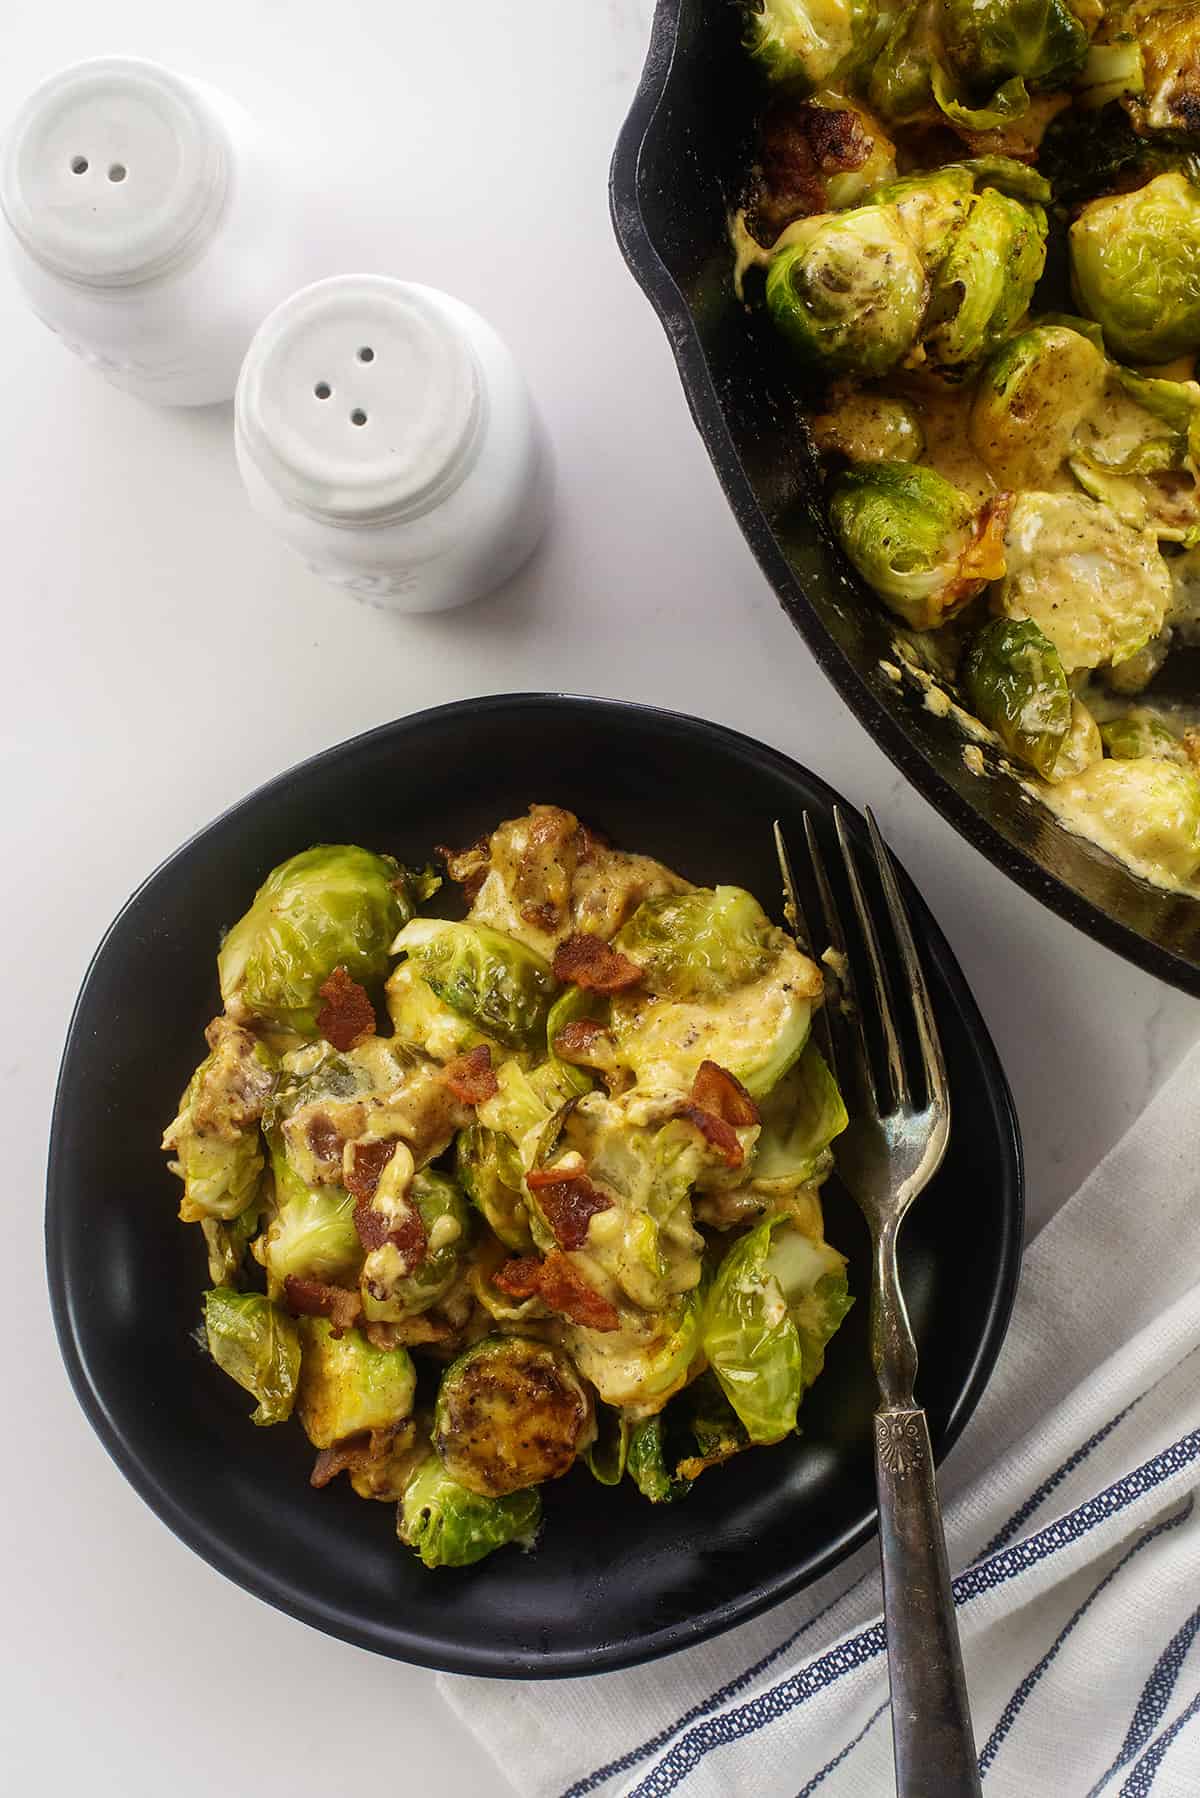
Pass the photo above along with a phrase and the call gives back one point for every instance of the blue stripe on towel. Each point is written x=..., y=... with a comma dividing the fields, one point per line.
x=1142, y=1778
x=838, y=1758
x=1155, y=1696
x=769, y=1706
x=1024, y=1691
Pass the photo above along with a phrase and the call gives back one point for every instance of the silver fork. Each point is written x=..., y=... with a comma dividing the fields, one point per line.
x=891, y=1149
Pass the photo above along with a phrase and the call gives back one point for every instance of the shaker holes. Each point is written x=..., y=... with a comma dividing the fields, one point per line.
x=358, y=417
x=322, y=390
x=79, y=165
x=117, y=171
x=366, y=354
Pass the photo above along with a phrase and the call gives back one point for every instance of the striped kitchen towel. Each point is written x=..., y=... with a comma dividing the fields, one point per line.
x=1072, y=1510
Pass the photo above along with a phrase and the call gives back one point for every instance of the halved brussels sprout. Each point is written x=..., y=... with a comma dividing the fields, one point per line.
x=511, y=1412
x=489, y=1168
x=1146, y=812
x=914, y=539
x=750, y=1339
x=257, y=1344
x=227, y=1244
x=812, y=1277
x=717, y=1430
x=899, y=85
x=815, y=154
x=1141, y=734
x=502, y=987
x=1015, y=682
x=335, y=906
x=810, y=41
x=451, y=1526
x=640, y=1366
x=1081, y=746
x=983, y=286
x=989, y=42
x=800, y=1120
x=312, y=1234
x=1096, y=588
x=347, y=1385
x=215, y=1135
x=447, y=1224
x=419, y=1016
x=849, y=291
x=699, y=945
x=870, y=427
x=528, y=1108
x=1030, y=401
x=1135, y=268
x=932, y=207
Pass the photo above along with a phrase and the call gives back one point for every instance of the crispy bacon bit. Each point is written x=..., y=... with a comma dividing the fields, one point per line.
x=470, y=1077
x=314, y=1298
x=568, y=1203
x=324, y=1138
x=406, y=1234
x=354, y=1453
x=715, y=1089
x=590, y=962
x=367, y=1161
x=716, y=1132
x=558, y=1282
x=347, y=1016
x=802, y=146
x=578, y=1041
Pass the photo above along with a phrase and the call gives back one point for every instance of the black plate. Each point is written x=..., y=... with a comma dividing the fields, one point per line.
x=679, y=165
x=613, y=1580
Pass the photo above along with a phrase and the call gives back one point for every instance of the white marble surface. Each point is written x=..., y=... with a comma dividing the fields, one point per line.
x=164, y=655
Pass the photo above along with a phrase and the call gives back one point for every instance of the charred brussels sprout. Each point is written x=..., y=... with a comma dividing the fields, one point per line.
x=1015, y=682
x=1167, y=98
x=1135, y=268
x=913, y=538
x=1030, y=401
x=983, y=286
x=348, y=1386
x=258, y=1345
x=1146, y=812
x=809, y=40
x=450, y=1526
x=511, y=1412
x=446, y=1222
x=500, y=986
x=335, y=906
x=490, y=1171
x=850, y=295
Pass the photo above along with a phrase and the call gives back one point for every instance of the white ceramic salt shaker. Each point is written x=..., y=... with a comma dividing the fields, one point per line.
x=386, y=433
x=152, y=224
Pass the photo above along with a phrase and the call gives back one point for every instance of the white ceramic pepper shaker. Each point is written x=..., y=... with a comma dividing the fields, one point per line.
x=152, y=224
x=386, y=433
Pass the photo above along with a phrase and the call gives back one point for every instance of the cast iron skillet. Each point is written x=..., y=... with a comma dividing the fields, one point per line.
x=614, y=1580
x=679, y=163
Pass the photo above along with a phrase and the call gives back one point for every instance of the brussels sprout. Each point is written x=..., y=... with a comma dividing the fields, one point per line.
x=810, y=40
x=1015, y=682
x=1146, y=812
x=1096, y=588
x=800, y=1120
x=499, y=985
x=1141, y=734
x=750, y=1339
x=447, y=1224
x=870, y=427
x=814, y=155
x=1007, y=176
x=489, y=1169
x=899, y=85
x=1135, y=268
x=215, y=1134
x=607, y=1456
x=227, y=1244
x=528, y=1109
x=257, y=1344
x=335, y=906
x=348, y=1386
x=1111, y=72
x=909, y=534
x=1030, y=401
x=640, y=1366
x=1081, y=745
x=450, y=1526
x=647, y=1463
x=989, y=42
x=718, y=1431
x=1167, y=36
x=312, y=1235
x=984, y=285
x=849, y=297
x=932, y=208
x=419, y=1016
x=699, y=945
x=220, y=1176
x=511, y=1412
x=812, y=1278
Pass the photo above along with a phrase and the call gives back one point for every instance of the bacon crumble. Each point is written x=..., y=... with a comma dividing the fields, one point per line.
x=589, y=962
x=577, y=1041
x=560, y=1285
x=347, y=1016
x=367, y=1161
x=568, y=1202
x=470, y=1077
x=715, y=1089
x=406, y=1234
x=316, y=1298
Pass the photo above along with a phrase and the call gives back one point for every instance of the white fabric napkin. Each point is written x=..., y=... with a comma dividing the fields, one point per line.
x=1070, y=1510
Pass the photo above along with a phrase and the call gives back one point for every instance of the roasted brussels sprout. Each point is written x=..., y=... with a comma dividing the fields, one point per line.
x=312, y=1234
x=899, y=81
x=849, y=292
x=914, y=539
x=717, y=1431
x=699, y=945
x=489, y=1169
x=499, y=985
x=983, y=286
x=227, y=1244
x=450, y=1526
x=257, y=1344
x=1147, y=812
x=348, y=1386
x=1166, y=100
x=1081, y=746
x=639, y=1367
x=1031, y=399
x=215, y=1137
x=1096, y=588
x=647, y=1462
x=810, y=40
x=511, y=1412
x=800, y=1120
x=335, y=906
x=1140, y=734
x=420, y=1017
x=1015, y=682
x=1135, y=268
x=812, y=1278
x=446, y=1223
x=870, y=427
x=991, y=42
x=932, y=208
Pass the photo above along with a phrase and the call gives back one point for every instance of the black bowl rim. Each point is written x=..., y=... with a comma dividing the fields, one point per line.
x=657, y=283
x=223, y=1554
